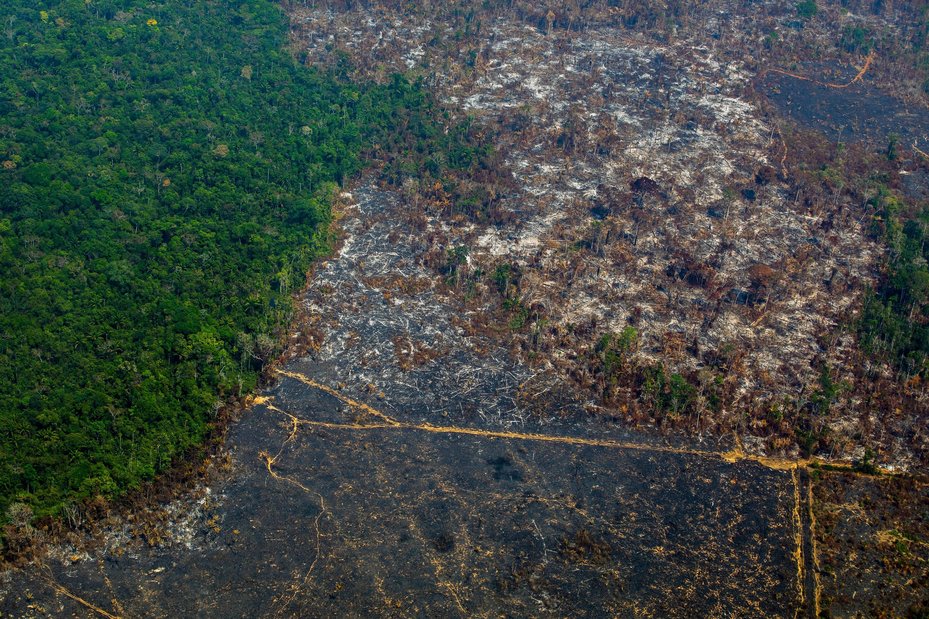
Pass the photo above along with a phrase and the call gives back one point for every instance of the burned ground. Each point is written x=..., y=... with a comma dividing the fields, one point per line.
x=873, y=536
x=414, y=525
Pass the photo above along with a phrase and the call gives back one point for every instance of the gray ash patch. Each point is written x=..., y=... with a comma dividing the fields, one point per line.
x=392, y=342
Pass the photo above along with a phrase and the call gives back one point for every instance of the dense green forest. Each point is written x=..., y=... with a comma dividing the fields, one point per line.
x=166, y=172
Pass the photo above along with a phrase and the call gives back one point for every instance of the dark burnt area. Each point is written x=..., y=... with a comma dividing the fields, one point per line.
x=873, y=540
x=861, y=112
x=413, y=523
